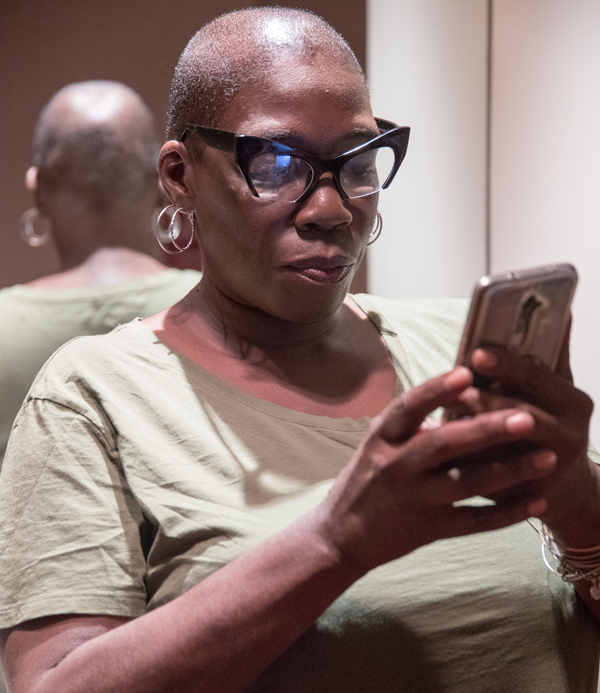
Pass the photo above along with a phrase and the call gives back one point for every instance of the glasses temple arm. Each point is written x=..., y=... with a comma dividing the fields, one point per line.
x=217, y=139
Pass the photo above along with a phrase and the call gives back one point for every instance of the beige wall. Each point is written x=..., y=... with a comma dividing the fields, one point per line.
x=45, y=45
x=427, y=64
x=545, y=203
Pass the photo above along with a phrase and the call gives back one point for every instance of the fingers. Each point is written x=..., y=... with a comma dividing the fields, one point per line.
x=483, y=456
x=399, y=490
x=532, y=382
x=406, y=413
x=561, y=413
x=518, y=495
x=550, y=431
x=470, y=520
x=477, y=451
x=456, y=440
x=489, y=479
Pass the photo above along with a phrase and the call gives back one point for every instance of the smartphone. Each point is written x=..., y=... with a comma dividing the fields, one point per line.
x=525, y=311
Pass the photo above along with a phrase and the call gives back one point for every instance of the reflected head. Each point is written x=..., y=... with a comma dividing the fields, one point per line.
x=95, y=143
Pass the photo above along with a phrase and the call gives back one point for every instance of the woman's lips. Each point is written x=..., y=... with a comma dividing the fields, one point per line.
x=322, y=270
x=323, y=276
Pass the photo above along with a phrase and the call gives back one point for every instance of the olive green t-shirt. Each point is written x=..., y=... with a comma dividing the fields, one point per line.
x=35, y=322
x=133, y=473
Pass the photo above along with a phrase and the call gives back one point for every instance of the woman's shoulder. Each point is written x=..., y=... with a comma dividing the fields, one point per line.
x=416, y=313
x=122, y=337
x=114, y=356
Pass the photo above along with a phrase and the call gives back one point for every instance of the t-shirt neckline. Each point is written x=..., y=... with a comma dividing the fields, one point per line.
x=199, y=377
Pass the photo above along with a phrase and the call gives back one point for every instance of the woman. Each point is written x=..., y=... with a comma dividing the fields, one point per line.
x=95, y=187
x=229, y=513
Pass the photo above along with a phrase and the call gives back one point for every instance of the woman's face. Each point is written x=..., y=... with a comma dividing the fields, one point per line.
x=294, y=261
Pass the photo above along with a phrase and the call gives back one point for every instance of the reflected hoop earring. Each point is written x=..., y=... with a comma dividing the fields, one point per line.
x=376, y=232
x=167, y=234
x=28, y=222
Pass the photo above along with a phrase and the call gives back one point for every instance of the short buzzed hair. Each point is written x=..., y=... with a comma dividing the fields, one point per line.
x=97, y=141
x=234, y=49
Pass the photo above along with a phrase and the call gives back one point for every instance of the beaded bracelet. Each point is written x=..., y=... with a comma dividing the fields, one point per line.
x=573, y=564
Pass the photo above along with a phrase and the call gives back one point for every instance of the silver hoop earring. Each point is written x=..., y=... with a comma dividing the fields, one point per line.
x=28, y=222
x=376, y=232
x=168, y=234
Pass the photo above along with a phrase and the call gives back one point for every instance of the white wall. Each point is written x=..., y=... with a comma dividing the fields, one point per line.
x=545, y=135
x=427, y=65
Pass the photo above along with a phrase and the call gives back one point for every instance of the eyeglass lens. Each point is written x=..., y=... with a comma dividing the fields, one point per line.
x=286, y=177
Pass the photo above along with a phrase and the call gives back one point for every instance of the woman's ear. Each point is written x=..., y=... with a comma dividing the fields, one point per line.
x=31, y=179
x=174, y=170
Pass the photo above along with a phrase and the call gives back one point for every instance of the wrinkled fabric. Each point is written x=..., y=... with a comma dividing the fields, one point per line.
x=35, y=322
x=133, y=473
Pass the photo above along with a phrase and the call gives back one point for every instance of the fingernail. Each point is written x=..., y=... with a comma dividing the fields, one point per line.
x=537, y=507
x=458, y=379
x=521, y=422
x=484, y=359
x=545, y=459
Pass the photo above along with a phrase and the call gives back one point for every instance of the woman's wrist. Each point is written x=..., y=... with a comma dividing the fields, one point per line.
x=577, y=566
x=581, y=530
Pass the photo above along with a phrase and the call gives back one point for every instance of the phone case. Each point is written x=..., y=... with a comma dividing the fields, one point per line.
x=525, y=311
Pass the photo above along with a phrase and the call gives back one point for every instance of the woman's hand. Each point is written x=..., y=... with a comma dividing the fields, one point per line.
x=561, y=414
x=399, y=490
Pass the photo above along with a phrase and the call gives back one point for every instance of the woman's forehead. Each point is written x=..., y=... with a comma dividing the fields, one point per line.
x=296, y=93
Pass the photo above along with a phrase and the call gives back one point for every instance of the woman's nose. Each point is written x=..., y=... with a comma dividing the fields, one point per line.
x=324, y=208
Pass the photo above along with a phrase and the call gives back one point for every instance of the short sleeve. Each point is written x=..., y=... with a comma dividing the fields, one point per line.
x=69, y=525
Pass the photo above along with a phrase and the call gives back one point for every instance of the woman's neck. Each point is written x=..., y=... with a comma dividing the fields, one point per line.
x=335, y=367
x=103, y=266
x=236, y=326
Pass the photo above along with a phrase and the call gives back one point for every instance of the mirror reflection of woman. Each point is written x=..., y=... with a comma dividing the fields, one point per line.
x=95, y=189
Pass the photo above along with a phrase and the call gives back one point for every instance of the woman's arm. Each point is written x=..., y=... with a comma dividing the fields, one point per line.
x=218, y=636
x=224, y=632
